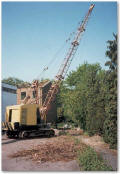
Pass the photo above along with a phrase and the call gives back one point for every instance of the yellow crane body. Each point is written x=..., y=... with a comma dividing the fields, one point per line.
x=23, y=120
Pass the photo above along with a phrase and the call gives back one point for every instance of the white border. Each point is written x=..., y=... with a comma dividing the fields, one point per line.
x=118, y=67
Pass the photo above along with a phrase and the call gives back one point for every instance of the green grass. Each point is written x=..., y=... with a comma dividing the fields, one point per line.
x=89, y=160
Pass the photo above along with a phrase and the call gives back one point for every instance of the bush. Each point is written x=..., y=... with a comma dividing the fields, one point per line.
x=89, y=160
x=110, y=133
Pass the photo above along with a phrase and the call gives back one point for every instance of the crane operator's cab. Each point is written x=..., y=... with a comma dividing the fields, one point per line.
x=25, y=120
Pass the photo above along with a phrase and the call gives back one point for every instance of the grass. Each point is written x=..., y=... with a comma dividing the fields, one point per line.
x=89, y=160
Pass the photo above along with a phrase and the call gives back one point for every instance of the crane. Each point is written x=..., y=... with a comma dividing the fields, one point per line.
x=24, y=120
x=64, y=66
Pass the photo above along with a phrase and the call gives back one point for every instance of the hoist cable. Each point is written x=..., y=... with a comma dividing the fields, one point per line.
x=56, y=55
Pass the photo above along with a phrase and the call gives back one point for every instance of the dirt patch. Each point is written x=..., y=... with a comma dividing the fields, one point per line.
x=97, y=142
x=63, y=148
x=11, y=146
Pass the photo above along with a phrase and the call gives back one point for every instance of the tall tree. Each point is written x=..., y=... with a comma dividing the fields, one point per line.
x=80, y=97
x=110, y=124
x=95, y=109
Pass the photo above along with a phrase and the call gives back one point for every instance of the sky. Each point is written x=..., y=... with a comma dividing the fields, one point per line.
x=34, y=36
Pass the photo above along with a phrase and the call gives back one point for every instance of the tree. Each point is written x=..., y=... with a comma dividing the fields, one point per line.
x=15, y=82
x=89, y=96
x=95, y=100
x=110, y=124
x=80, y=97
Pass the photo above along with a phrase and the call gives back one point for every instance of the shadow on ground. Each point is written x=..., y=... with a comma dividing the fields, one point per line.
x=13, y=140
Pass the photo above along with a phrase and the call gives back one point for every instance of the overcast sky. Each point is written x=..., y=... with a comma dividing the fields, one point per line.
x=33, y=32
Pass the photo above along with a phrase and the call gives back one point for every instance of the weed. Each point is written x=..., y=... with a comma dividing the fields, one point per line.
x=89, y=160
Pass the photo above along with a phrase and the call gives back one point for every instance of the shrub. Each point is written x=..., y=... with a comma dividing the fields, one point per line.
x=110, y=133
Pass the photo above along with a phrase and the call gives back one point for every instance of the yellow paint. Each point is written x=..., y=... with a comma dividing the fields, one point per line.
x=31, y=118
x=24, y=114
x=15, y=115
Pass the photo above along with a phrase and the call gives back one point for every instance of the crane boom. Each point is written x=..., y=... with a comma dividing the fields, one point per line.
x=74, y=45
x=65, y=65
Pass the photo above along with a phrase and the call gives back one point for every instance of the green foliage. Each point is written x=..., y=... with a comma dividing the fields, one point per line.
x=110, y=132
x=95, y=109
x=110, y=124
x=81, y=101
x=88, y=96
x=15, y=82
x=89, y=160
